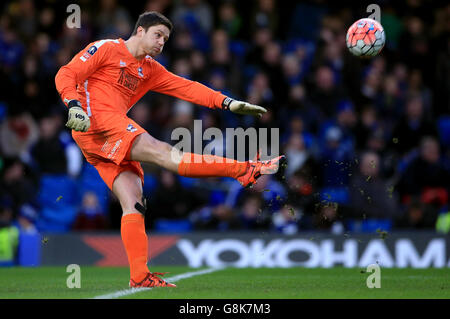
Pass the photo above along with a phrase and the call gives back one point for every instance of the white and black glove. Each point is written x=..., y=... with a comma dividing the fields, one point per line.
x=240, y=107
x=77, y=120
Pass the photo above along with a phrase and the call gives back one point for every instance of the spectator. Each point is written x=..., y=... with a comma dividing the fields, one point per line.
x=327, y=218
x=229, y=19
x=302, y=191
x=219, y=218
x=298, y=157
x=418, y=215
x=412, y=127
x=9, y=236
x=18, y=132
x=336, y=159
x=90, y=216
x=273, y=193
x=390, y=100
x=265, y=15
x=251, y=213
x=195, y=14
x=413, y=44
x=371, y=195
x=55, y=152
x=196, y=17
x=162, y=204
x=325, y=92
x=426, y=176
x=141, y=113
x=272, y=66
x=259, y=91
x=17, y=183
x=113, y=20
x=368, y=122
x=286, y=220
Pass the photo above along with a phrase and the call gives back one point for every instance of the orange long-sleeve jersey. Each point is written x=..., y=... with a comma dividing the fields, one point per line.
x=106, y=77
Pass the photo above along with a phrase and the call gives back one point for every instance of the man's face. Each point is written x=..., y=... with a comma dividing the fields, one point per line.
x=152, y=41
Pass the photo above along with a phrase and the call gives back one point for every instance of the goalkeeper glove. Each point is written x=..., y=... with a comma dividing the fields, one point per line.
x=77, y=119
x=241, y=107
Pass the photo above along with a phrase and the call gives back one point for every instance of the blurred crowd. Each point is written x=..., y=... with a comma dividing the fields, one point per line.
x=367, y=140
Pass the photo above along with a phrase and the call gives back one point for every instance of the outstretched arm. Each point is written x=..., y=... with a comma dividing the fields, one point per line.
x=166, y=82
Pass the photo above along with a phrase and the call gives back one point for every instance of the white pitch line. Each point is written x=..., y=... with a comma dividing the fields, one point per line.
x=127, y=292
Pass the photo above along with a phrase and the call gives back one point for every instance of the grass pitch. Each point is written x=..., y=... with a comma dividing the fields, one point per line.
x=230, y=283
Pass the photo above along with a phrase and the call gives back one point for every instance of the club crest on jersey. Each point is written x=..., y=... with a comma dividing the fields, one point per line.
x=122, y=64
x=131, y=128
x=140, y=72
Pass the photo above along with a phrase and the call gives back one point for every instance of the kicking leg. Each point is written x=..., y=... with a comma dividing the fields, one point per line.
x=148, y=149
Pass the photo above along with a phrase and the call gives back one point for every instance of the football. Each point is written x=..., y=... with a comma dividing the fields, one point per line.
x=365, y=38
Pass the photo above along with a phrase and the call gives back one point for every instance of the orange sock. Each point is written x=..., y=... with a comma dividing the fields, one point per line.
x=210, y=166
x=135, y=241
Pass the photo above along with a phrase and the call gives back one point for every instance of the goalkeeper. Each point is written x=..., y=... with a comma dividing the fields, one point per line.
x=99, y=86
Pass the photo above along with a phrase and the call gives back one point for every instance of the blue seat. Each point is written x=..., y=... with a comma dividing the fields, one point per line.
x=57, y=191
x=56, y=220
x=369, y=225
x=217, y=197
x=338, y=195
x=59, y=200
x=90, y=181
x=443, y=124
x=150, y=184
x=173, y=226
x=187, y=182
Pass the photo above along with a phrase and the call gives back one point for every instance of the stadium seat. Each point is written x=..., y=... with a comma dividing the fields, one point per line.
x=57, y=191
x=338, y=195
x=173, y=226
x=90, y=181
x=56, y=220
x=217, y=197
x=186, y=182
x=150, y=184
x=369, y=225
x=444, y=130
x=59, y=200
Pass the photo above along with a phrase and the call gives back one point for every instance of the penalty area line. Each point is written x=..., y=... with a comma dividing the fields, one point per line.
x=131, y=291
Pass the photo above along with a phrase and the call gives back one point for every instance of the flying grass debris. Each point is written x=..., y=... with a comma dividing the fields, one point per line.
x=383, y=234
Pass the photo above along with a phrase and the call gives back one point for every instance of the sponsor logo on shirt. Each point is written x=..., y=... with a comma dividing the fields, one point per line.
x=127, y=80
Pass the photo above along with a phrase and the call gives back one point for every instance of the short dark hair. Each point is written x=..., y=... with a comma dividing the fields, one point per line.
x=151, y=18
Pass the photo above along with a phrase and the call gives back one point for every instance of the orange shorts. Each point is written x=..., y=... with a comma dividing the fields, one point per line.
x=107, y=145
